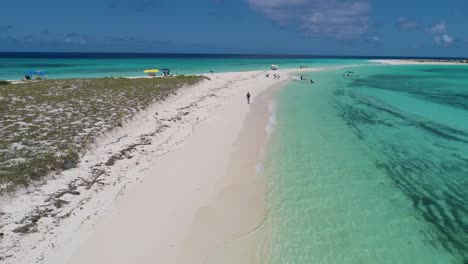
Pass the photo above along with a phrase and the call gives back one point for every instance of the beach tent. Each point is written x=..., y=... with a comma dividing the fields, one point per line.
x=29, y=74
x=274, y=67
x=165, y=72
x=151, y=72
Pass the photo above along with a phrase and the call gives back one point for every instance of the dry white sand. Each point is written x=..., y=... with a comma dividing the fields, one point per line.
x=178, y=199
x=191, y=200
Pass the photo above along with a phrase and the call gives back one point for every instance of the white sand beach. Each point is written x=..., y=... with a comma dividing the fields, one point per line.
x=185, y=183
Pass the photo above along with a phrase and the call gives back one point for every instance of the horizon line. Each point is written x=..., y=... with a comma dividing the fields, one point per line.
x=230, y=54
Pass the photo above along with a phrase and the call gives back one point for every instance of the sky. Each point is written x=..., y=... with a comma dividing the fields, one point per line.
x=312, y=27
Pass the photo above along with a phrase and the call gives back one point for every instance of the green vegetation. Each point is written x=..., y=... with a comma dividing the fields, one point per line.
x=4, y=82
x=45, y=125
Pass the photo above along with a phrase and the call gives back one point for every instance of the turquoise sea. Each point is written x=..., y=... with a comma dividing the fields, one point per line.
x=372, y=167
x=13, y=68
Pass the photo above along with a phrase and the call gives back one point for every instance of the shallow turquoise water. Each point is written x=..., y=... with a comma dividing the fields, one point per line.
x=373, y=168
x=14, y=68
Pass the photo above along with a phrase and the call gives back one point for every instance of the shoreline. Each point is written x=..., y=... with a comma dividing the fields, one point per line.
x=190, y=201
x=243, y=189
x=171, y=125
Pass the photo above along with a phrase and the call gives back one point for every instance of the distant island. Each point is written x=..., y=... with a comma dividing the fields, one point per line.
x=439, y=60
x=422, y=61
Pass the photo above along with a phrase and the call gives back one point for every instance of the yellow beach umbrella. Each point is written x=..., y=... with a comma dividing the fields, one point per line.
x=151, y=71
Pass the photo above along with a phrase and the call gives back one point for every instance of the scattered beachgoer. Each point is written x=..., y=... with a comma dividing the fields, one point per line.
x=248, y=97
x=301, y=76
x=211, y=71
x=311, y=81
x=278, y=76
x=268, y=75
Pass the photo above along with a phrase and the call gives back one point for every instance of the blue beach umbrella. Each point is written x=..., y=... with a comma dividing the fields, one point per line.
x=40, y=73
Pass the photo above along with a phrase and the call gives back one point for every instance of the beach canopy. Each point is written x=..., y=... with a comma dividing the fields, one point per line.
x=31, y=72
x=349, y=72
x=151, y=71
x=165, y=72
x=40, y=73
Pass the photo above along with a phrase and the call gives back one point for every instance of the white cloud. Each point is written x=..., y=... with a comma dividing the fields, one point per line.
x=342, y=19
x=405, y=23
x=74, y=38
x=441, y=36
x=444, y=40
x=439, y=28
x=276, y=3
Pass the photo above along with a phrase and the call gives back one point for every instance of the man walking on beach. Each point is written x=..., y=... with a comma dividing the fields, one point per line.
x=248, y=98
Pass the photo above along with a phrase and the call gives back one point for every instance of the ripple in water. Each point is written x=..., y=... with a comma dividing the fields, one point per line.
x=371, y=169
x=432, y=168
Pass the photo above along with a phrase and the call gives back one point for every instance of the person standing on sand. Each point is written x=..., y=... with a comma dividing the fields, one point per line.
x=248, y=97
